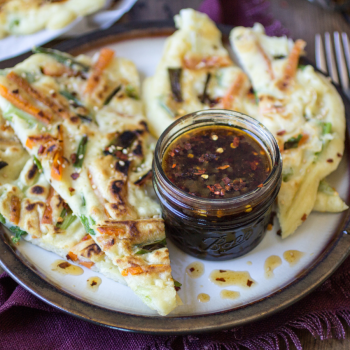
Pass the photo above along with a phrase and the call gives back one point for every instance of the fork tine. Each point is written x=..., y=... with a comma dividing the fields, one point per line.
x=346, y=49
x=330, y=58
x=339, y=54
x=319, y=53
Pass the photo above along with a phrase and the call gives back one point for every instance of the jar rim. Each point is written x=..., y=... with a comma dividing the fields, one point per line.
x=231, y=117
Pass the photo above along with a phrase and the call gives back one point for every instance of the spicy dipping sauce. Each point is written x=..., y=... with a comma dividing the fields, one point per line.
x=216, y=161
x=216, y=174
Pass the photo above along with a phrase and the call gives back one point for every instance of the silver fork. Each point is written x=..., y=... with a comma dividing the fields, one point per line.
x=326, y=58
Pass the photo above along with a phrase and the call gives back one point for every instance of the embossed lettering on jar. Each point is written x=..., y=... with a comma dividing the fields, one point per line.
x=216, y=197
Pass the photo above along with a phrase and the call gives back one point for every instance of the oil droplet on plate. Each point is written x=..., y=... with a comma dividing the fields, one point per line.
x=225, y=278
x=271, y=263
x=93, y=283
x=203, y=298
x=249, y=263
x=292, y=256
x=65, y=268
x=229, y=294
x=195, y=269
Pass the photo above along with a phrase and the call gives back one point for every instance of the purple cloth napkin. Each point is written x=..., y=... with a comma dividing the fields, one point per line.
x=28, y=323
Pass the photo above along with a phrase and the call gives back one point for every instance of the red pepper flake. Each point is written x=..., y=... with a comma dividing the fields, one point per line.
x=279, y=232
x=217, y=192
x=226, y=180
x=235, y=142
x=174, y=165
x=261, y=185
x=218, y=186
x=74, y=176
x=71, y=189
x=172, y=154
x=227, y=187
x=199, y=172
x=223, y=167
x=249, y=283
x=253, y=165
x=304, y=217
x=330, y=160
x=192, y=269
x=211, y=188
x=73, y=157
x=41, y=149
x=281, y=133
x=222, y=271
x=339, y=155
x=269, y=227
x=177, y=288
x=222, y=192
x=220, y=279
x=187, y=146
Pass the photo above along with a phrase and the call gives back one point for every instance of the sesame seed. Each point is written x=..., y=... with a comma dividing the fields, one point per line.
x=63, y=165
x=93, y=187
x=205, y=176
x=214, y=137
x=121, y=163
x=95, y=108
x=52, y=92
x=90, y=176
x=125, y=151
x=220, y=150
x=111, y=165
x=249, y=210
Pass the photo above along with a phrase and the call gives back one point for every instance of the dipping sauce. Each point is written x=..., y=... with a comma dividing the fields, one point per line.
x=203, y=297
x=292, y=256
x=216, y=162
x=216, y=174
x=93, y=283
x=195, y=269
x=271, y=263
x=229, y=294
x=225, y=278
x=65, y=268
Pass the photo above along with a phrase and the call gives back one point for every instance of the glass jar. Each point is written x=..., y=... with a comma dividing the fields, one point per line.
x=217, y=229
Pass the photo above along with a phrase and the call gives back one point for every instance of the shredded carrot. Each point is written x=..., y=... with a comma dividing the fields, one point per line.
x=72, y=256
x=47, y=216
x=15, y=209
x=303, y=139
x=206, y=62
x=267, y=61
x=57, y=169
x=110, y=230
x=105, y=58
x=37, y=95
x=132, y=270
x=291, y=65
x=24, y=105
x=233, y=91
x=33, y=140
x=87, y=264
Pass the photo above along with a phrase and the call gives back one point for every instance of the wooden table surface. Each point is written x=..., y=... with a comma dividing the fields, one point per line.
x=303, y=20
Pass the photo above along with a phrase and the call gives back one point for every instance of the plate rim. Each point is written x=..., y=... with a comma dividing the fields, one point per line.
x=337, y=249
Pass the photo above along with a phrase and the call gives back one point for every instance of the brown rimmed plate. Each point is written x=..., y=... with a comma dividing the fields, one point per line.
x=146, y=40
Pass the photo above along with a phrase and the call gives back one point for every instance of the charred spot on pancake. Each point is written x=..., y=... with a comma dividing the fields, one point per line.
x=3, y=164
x=122, y=166
x=144, y=124
x=37, y=189
x=114, y=206
x=60, y=201
x=126, y=139
x=32, y=171
x=110, y=243
x=31, y=206
x=75, y=119
x=51, y=148
x=91, y=250
x=138, y=150
x=117, y=186
x=144, y=178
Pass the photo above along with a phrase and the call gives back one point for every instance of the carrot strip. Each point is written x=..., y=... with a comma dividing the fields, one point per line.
x=132, y=270
x=206, y=62
x=24, y=105
x=15, y=209
x=267, y=61
x=72, y=256
x=291, y=65
x=34, y=93
x=87, y=264
x=233, y=91
x=47, y=216
x=108, y=230
x=303, y=139
x=43, y=139
x=105, y=58
x=57, y=169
